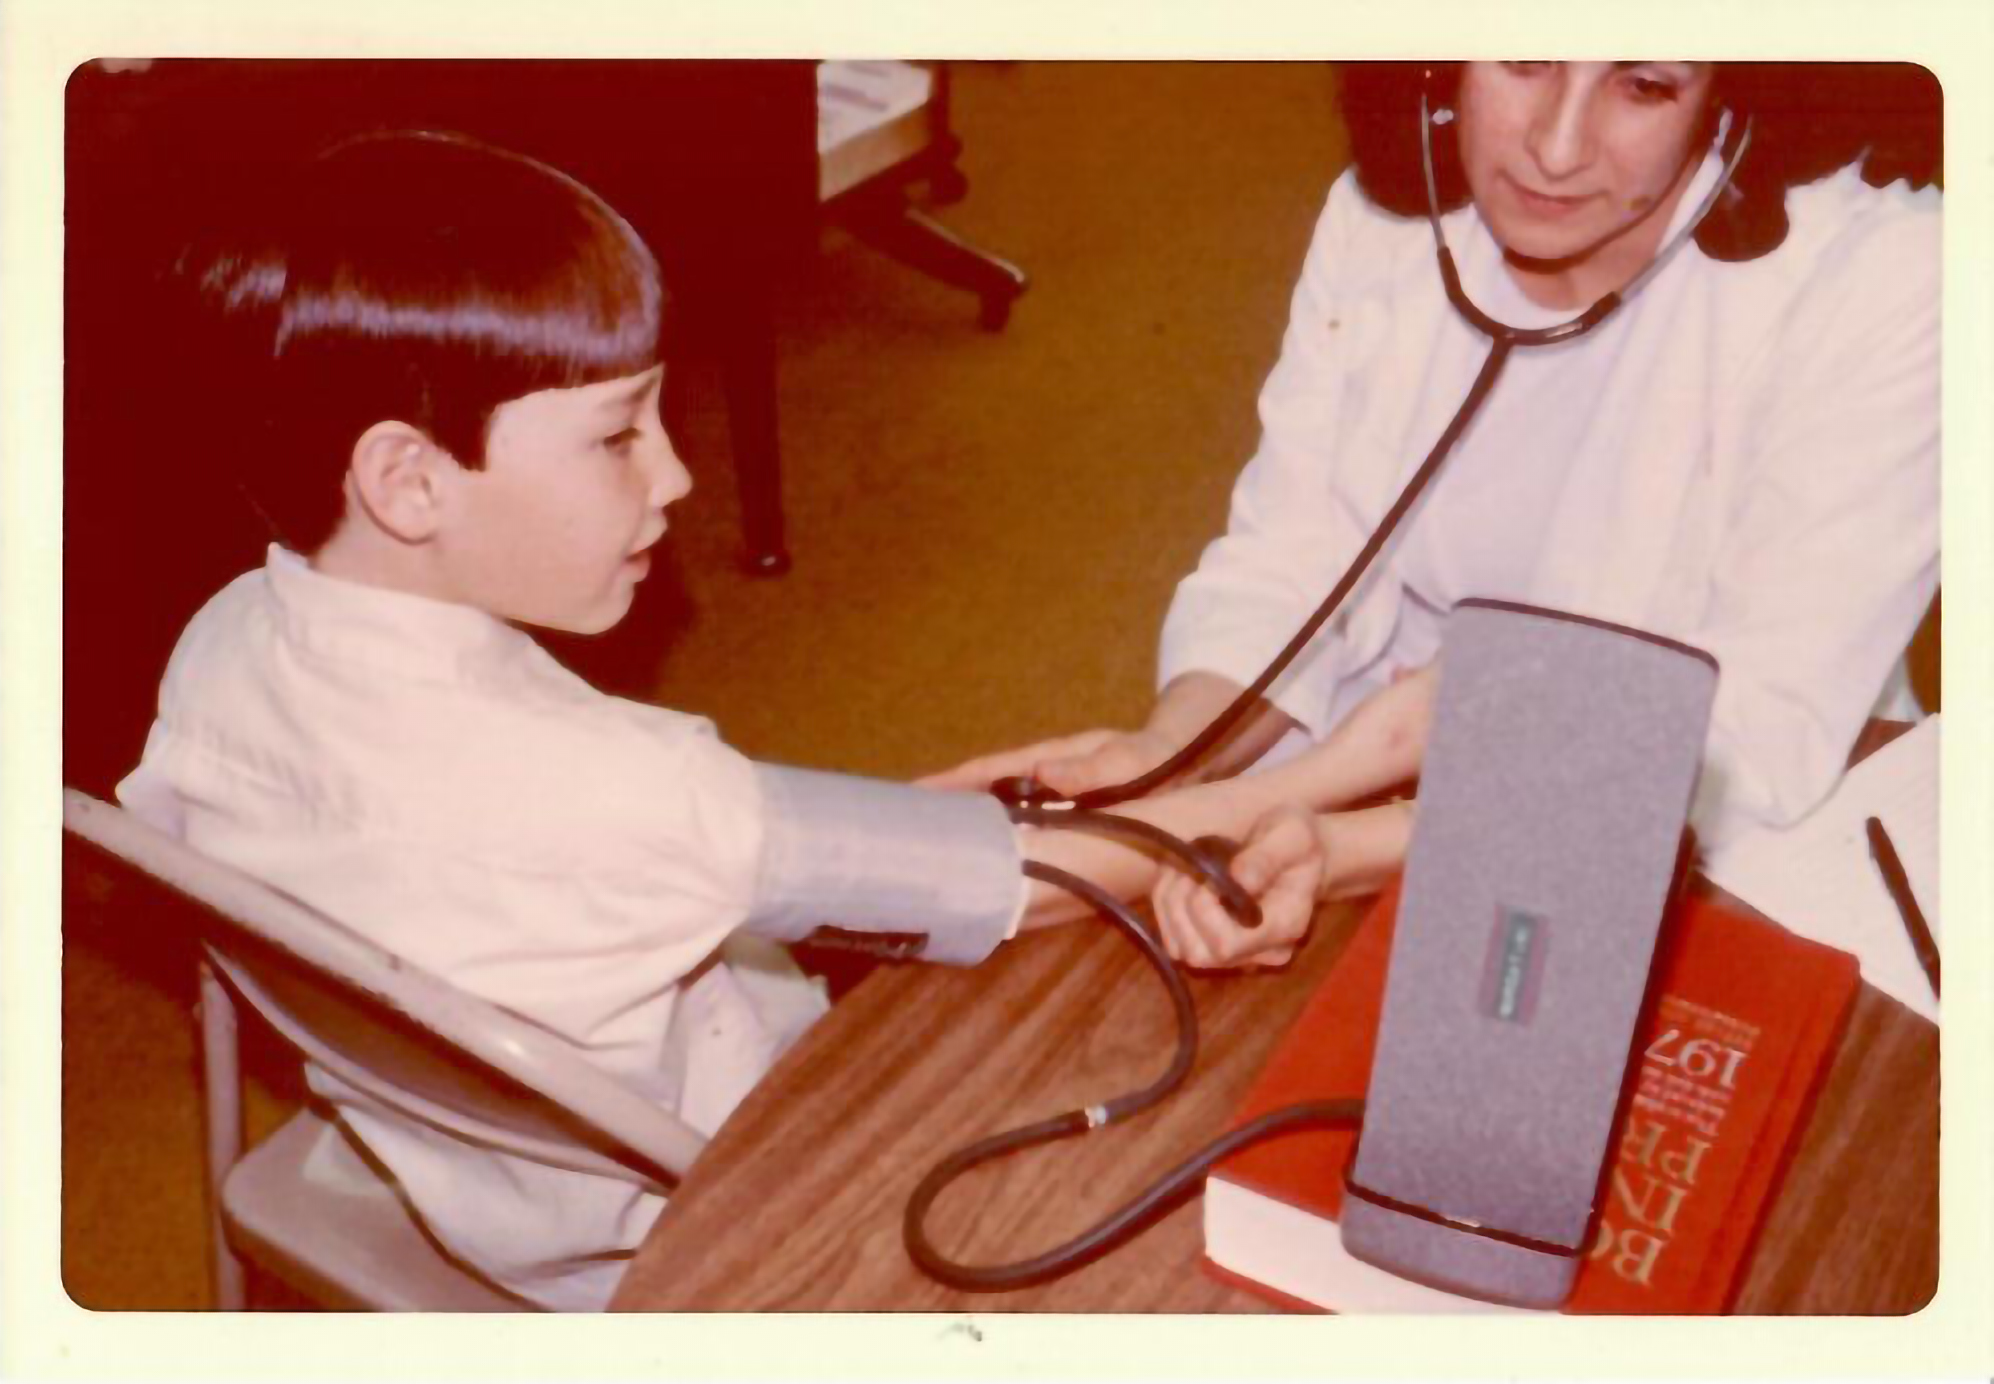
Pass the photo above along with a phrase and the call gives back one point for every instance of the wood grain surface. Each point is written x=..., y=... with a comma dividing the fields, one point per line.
x=797, y=1204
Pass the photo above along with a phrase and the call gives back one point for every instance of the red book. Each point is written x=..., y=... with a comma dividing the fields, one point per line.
x=1743, y=1016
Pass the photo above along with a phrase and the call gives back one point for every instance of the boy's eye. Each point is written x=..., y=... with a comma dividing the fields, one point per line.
x=621, y=441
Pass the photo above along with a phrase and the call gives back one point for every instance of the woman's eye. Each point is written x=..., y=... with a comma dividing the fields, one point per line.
x=1652, y=90
x=622, y=441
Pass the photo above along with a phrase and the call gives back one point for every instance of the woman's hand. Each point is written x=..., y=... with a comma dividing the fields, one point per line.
x=1109, y=758
x=1067, y=764
x=1281, y=865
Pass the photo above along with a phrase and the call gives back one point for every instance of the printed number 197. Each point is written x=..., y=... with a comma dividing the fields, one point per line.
x=1698, y=1058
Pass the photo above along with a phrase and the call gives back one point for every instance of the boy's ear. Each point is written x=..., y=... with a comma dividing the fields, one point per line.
x=398, y=477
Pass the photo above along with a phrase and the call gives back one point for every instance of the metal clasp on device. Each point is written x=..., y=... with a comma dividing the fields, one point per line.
x=1460, y=1223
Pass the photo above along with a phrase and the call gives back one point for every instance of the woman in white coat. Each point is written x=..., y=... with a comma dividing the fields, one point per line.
x=1744, y=457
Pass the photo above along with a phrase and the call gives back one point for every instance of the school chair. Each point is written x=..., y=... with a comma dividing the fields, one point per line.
x=305, y=1204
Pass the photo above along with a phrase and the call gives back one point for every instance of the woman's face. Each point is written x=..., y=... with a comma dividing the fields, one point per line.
x=1566, y=159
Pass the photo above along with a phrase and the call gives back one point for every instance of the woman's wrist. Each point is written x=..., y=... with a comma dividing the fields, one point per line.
x=1187, y=705
x=1192, y=702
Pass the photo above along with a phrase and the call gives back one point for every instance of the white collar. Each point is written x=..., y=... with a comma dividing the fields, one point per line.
x=349, y=619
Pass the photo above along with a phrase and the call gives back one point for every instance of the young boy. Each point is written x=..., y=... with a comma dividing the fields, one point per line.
x=459, y=361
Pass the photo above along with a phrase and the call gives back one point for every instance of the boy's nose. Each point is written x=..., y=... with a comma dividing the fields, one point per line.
x=670, y=480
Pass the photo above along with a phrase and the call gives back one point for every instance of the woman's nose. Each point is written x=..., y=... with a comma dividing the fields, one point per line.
x=1560, y=139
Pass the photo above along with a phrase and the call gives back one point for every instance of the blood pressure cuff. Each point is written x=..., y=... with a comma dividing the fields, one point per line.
x=884, y=868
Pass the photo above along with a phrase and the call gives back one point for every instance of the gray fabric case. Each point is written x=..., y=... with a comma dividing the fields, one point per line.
x=1551, y=809
x=940, y=870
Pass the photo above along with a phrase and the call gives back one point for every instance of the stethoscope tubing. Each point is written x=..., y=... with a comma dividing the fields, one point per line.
x=1164, y=1193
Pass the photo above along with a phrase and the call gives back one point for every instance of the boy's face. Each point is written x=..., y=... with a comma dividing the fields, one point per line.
x=553, y=531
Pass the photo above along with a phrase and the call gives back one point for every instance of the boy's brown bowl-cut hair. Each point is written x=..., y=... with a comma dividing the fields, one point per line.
x=421, y=277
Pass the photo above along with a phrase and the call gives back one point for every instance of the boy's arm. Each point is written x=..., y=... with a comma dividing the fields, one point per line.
x=1376, y=747
x=1374, y=760
x=1229, y=808
x=935, y=874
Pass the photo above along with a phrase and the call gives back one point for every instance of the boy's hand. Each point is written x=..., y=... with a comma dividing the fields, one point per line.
x=1068, y=764
x=1281, y=865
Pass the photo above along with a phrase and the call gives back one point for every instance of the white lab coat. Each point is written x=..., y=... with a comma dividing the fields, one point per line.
x=1772, y=497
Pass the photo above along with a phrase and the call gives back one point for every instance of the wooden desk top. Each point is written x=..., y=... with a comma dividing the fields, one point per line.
x=797, y=1204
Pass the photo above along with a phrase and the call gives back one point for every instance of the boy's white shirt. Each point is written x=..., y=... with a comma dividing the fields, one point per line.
x=385, y=759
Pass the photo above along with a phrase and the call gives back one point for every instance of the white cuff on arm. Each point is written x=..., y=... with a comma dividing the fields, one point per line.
x=884, y=868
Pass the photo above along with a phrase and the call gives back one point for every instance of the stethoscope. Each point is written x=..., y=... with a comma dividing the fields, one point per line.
x=1032, y=803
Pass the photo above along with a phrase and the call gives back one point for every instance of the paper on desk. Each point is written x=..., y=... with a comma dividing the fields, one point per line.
x=854, y=97
x=1816, y=878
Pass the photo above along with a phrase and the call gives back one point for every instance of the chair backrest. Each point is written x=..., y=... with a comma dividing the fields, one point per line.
x=399, y=1035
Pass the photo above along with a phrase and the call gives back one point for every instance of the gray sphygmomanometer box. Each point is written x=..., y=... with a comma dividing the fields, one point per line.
x=1557, y=779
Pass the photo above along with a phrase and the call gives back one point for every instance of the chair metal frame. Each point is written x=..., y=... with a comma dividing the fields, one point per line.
x=361, y=1012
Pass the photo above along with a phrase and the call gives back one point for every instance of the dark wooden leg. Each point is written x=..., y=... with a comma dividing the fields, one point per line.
x=891, y=226
x=746, y=329
x=946, y=184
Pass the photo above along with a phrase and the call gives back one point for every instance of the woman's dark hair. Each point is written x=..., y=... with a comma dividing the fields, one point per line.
x=1808, y=119
x=423, y=278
